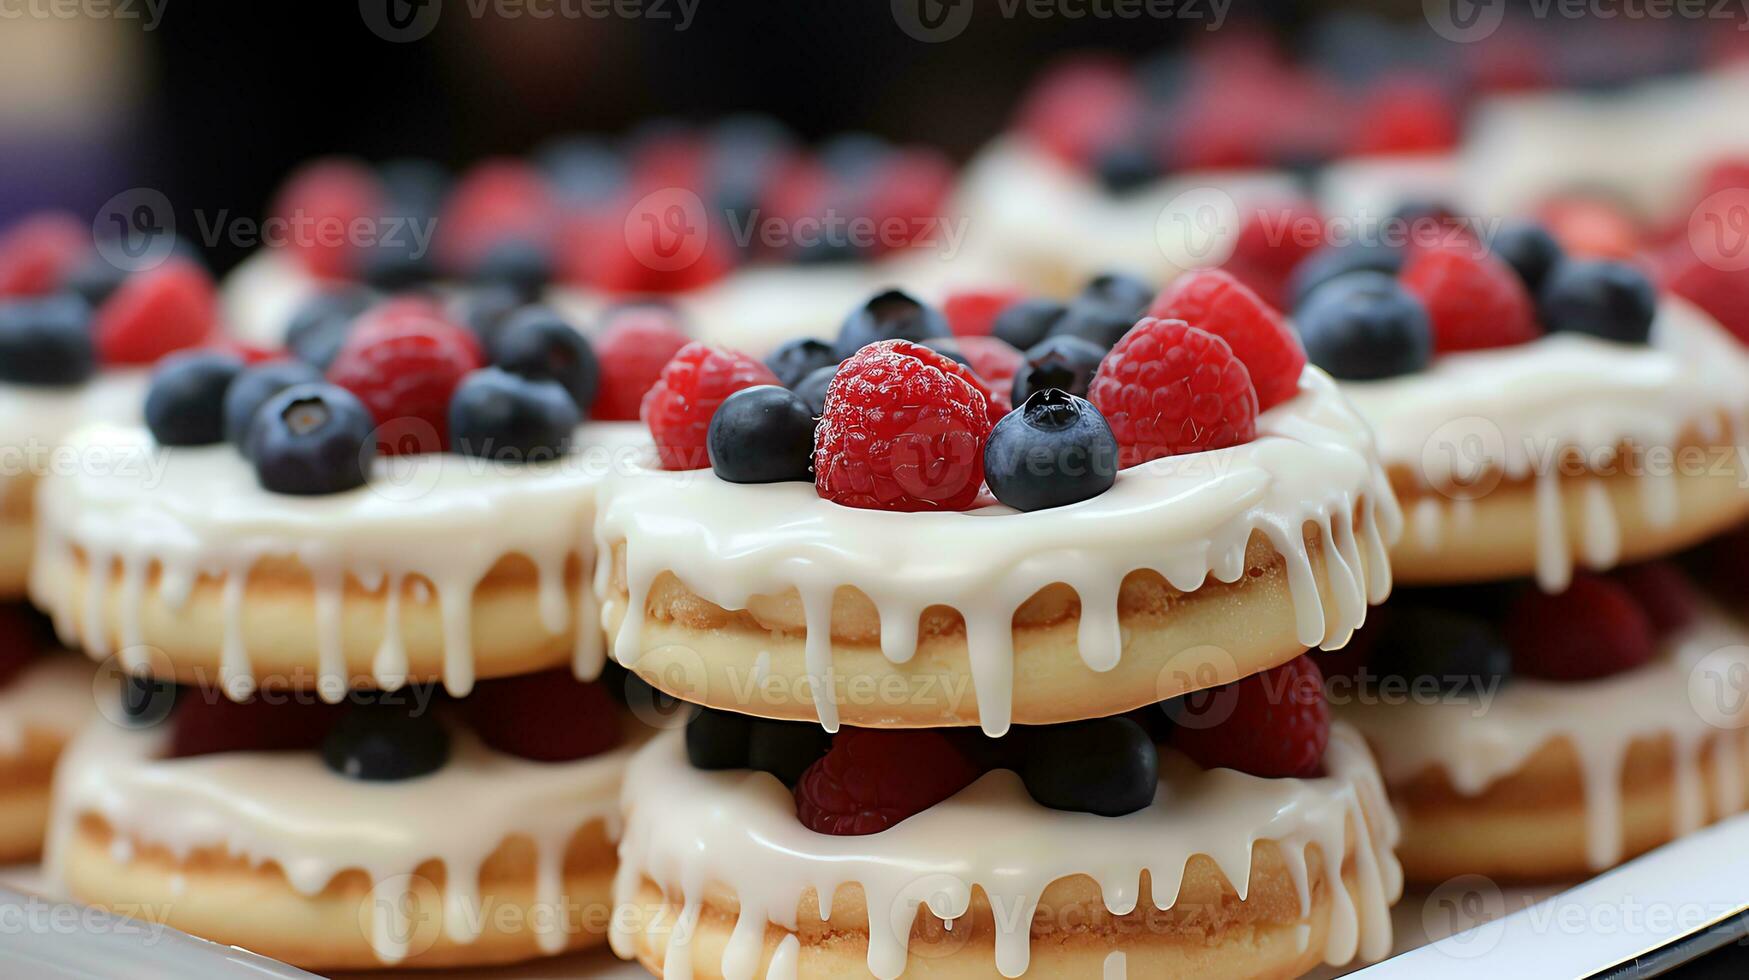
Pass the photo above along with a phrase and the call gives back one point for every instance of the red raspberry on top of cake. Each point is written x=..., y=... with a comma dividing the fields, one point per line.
x=1215, y=301
x=873, y=778
x=1169, y=388
x=694, y=383
x=1473, y=299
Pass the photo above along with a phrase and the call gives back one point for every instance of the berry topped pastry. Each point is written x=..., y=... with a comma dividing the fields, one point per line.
x=1162, y=496
x=406, y=500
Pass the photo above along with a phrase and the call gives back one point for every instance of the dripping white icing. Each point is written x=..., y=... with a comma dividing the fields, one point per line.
x=1511, y=410
x=288, y=808
x=738, y=830
x=1599, y=719
x=54, y=694
x=1187, y=518
x=443, y=519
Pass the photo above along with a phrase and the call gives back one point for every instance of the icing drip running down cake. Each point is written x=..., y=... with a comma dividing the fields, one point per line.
x=1114, y=582
x=45, y=695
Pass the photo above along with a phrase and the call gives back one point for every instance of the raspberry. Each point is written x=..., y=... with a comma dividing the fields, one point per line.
x=1169, y=388
x=1475, y=301
x=1406, y=115
x=37, y=253
x=206, y=722
x=404, y=362
x=1276, y=237
x=22, y=639
x=1274, y=724
x=1212, y=300
x=874, y=778
x=996, y=403
x=995, y=362
x=1593, y=629
x=903, y=430
x=496, y=201
x=321, y=202
x=155, y=313
x=1722, y=295
x=1591, y=228
x=1078, y=108
x=652, y=244
x=972, y=312
x=905, y=194
x=1663, y=591
x=548, y=717
x=636, y=344
x=694, y=383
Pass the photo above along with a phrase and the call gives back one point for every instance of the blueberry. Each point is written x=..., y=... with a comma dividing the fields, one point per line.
x=1126, y=167
x=1463, y=652
x=485, y=309
x=536, y=342
x=1334, y=260
x=891, y=315
x=813, y=388
x=718, y=739
x=1127, y=294
x=94, y=279
x=1066, y=363
x=384, y=742
x=786, y=748
x=1107, y=766
x=582, y=169
x=1364, y=326
x=146, y=701
x=312, y=439
x=321, y=324
x=798, y=358
x=827, y=249
x=186, y=404
x=854, y=156
x=414, y=188
x=1529, y=249
x=46, y=341
x=1022, y=324
x=498, y=415
x=1056, y=449
x=1424, y=222
x=1612, y=300
x=1099, y=323
x=253, y=387
x=763, y=434
x=523, y=265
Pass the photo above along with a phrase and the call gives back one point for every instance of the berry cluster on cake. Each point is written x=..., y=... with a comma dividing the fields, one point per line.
x=998, y=653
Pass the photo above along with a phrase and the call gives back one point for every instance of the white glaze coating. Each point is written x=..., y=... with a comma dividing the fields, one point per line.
x=1187, y=517
x=1509, y=410
x=288, y=808
x=1600, y=719
x=35, y=420
x=52, y=695
x=739, y=831
x=446, y=518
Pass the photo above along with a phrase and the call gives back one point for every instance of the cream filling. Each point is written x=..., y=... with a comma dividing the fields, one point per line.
x=738, y=830
x=290, y=809
x=1510, y=412
x=1186, y=517
x=35, y=420
x=55, y=694
x=445, y=518
x=1691, y=693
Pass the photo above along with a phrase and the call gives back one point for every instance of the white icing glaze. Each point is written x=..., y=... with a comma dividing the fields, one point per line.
x=1186, y=517
x=1599, y=719
x=738, y=830
x=445, y=518
x=288, y=808
x=34, y=420
x=53, y=694
x=1509, y=410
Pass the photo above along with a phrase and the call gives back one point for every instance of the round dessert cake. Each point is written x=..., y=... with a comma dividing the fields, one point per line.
x=45, y=696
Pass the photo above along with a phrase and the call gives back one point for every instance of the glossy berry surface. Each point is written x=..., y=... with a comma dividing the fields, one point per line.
x=1473, y=299
x=1100, y=324
x=1595, y=628
x=1664, y=592
x=186, y=403
x=1107, y=766
x=1054, y=450
x=798, y=358
x=973, y=312
x=1024, y=323
x=785, y=748
x=319, y=326
x=522, y=264
x=498, y=415
x=205, y=723
x=892, y=315
x=1125, y=294
x=38, y=253
x=903, y=430
x=1212, y=300
x=1611, y=300
x=1460, y=651
x=1168, y=388
x=404, y=363
x=632, y=350
x=812, y=388
x=994, y=362
x=718, y=740
x=311, y=440
x=46, y=342
x=1062, y=362
x=1364, y=326
x=536, y=342
x=253, y=387
x=763, y=434
x=1275, y=723
x=156, y=312
x=678, y=409
x=1331, y=261
x=872, y=779
x=1529, y=249
x=385, y=743
x=548, y=716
